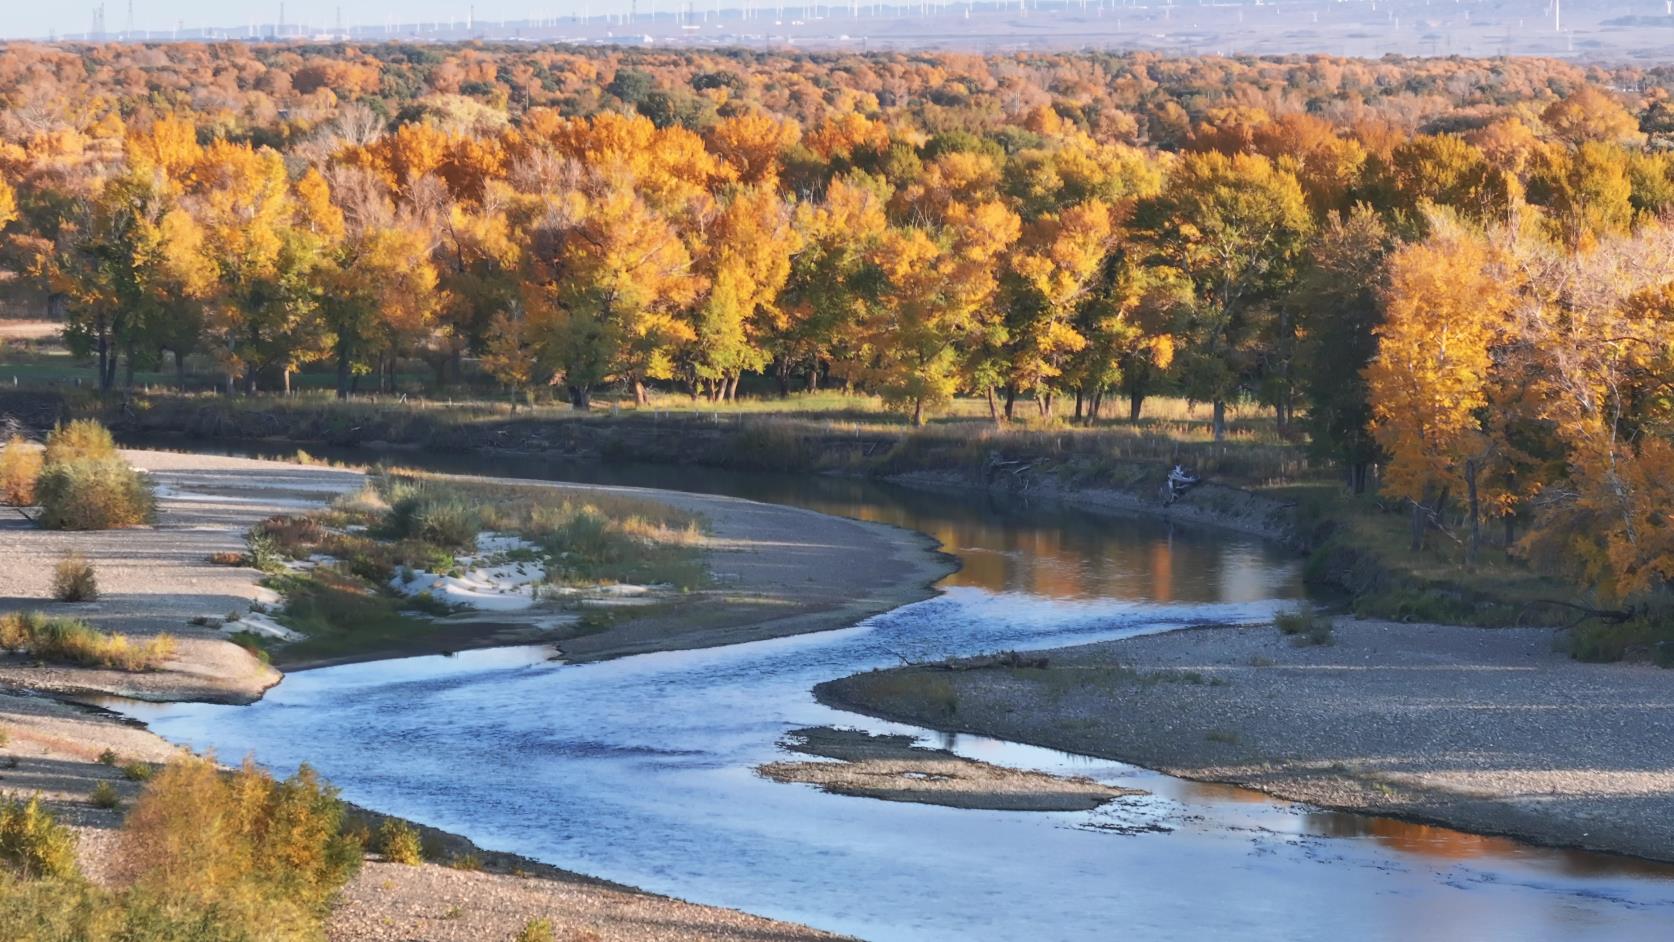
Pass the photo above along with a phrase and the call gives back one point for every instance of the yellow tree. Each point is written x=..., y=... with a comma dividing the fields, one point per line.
x=262, y=313
x=831, y=286
x=1597, y=335
x=1057, y=263
x=746, y=255
x=374, y=281
x=1445, y=304
x=611, y=277
x=8, y=204
x=936, y=282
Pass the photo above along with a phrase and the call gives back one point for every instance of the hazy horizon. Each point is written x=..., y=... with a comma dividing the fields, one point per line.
x=1606, y=30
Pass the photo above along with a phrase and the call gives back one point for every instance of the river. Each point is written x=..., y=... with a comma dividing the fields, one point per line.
x=639, y=770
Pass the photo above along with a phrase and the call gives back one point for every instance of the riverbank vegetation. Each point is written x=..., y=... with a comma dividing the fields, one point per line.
x=379, y=568
x=203, y=854
x=58, y=639
x=1036, y=234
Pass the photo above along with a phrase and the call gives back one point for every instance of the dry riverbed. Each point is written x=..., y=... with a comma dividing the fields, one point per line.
x=783, y=570
x=896, y=768
x=1486, y=730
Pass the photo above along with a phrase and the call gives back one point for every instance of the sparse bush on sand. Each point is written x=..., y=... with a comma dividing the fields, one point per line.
x=73, y=580
x=399, y=843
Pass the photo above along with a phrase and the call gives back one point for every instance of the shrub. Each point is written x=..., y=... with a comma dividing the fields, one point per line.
x=204, y=856
x=536, y=930
x=138, y=771
x=242, y=841
x=1304, y=626
x=399, y=843
x=262, y=551
x=20, y=469
x=81, y=439
x=107, y=758
x=468, y=862
x=1648, y=636
x=33, y=843
x=293, y=536
x=73, y=580
x=105, y=796
x=94, y=494
x=445, y=521
x=73, y=641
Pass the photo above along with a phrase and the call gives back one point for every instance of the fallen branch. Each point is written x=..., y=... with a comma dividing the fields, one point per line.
x=1613, y=616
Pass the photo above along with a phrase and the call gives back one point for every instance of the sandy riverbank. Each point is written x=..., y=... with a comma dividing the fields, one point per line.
x=785, y=571
x=897, y=768
x=1485, y=730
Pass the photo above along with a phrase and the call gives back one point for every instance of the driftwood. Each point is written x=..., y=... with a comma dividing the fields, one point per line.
x=1612, y=616
x=1009, y=659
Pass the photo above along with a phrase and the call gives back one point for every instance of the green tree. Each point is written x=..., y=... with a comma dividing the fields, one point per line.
x=1234, y=228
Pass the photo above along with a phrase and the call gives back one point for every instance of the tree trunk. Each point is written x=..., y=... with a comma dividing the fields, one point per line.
x=104, y=362
x=1136, y=402
x=1360, y=469
x=1417, y=527
x=781, y=373
x=128, y=368
x=1011, y=402
x=640, y=396
x=1471, y=470
x=732, y=388
x=918, y=412
x=179, y=370
x=1220, y=419
x=1078, y=405
x=1510, y=532
x=814, y=375
x=993, y=405
x=1097, y=406
x=581, y=397
x=287, y=379
x=343, y=368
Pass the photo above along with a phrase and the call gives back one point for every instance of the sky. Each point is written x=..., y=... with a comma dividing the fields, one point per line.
x=34, y=19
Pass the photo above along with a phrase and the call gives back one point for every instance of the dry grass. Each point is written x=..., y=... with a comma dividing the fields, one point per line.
x=72, y=641
x=20, y=468
x=73, y=579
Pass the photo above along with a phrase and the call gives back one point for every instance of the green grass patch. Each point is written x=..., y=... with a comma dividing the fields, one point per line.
x=342, y=614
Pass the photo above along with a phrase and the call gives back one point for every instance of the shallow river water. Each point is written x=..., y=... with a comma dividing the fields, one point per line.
x=640, y=769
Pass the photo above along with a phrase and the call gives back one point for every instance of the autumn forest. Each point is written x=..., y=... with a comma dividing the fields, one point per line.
x=1457, y=273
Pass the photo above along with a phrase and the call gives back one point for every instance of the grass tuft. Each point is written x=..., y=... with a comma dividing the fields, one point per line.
x=1304, y=626
x=536, y=930
x=73, y=580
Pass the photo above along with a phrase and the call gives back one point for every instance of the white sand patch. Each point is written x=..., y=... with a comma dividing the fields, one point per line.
x=314, y=561
x=491, y=581
x=261, y=625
